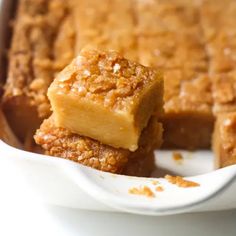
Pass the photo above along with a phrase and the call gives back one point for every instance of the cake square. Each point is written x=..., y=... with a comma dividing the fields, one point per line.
x=60, y=142
x=188, y=119
x=106, y=97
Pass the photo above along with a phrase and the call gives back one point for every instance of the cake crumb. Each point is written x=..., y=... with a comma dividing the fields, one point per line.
x=155, y=182
x=178, y=157
x=143, y=190
x=159, y=189
x=181, y=182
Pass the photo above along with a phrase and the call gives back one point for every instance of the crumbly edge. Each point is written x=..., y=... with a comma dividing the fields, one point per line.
x=107, y=78
x=32, y=61
x=62, y=143
x=224, y=140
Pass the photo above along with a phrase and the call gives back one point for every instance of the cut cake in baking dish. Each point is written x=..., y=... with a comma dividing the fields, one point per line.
x=192, y=42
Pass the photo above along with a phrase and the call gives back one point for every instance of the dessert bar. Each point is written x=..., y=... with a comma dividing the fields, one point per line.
x=175, y=44
x=60, y=142
x=35, y=46
x=224, y=139
x=106, y=97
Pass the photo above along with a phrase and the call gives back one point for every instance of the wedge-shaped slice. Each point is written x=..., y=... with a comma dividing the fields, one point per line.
x=224, y=139
x=62, y=143
x=106, y=97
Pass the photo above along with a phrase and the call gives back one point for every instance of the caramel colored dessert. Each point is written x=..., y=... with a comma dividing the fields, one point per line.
x=106, y=97
x=224, y=92
x=62, y=143
x=224, y=140
x=218, y=22
x=188, y=119
x=143, y=31
x=193, y=42
x=106, y=25
x=42, y=45
x=141, y=166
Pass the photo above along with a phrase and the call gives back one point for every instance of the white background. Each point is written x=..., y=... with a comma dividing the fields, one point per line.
x=21, y=214
x=51, y=220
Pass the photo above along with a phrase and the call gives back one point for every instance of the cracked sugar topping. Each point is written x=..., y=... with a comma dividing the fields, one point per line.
x=105, y=77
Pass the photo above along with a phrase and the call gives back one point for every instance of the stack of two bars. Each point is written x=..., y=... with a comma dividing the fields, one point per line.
x=105, y=114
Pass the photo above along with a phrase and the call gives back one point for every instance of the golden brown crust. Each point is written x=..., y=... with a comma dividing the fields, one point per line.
x=38, y=40
x=224, y=139
x=107, y=78
x=157, y=17
x=183, y=58
x=105, y=25
x=147, y=31
x=62, y=143
x=218, y=20
x=30, y=55
x=32, y=60
x=224, y=92
x=187, y=93
x=188, y=110
x=63, y=48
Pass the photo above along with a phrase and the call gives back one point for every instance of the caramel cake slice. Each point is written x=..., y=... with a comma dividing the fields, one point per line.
x=106, y=97
x=224, y=140
x=218, y=21
x=188, y=119
x=224, y=92
x=61, y=142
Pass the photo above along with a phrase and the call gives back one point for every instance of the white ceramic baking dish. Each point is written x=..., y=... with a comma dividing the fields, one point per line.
x=65, y=183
